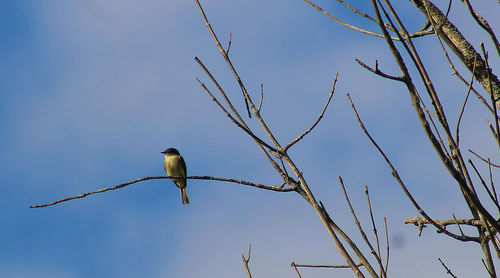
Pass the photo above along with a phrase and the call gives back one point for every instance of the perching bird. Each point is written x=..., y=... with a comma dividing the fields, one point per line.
x=176, y=167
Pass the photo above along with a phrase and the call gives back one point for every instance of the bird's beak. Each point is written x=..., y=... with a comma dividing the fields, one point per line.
x=162, y=152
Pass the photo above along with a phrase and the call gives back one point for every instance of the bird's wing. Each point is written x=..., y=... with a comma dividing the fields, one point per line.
x=183, y=164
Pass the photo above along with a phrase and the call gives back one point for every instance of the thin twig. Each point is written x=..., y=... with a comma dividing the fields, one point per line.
x=363, y=14
x=261, y=97
x=486, y=240
x=324, y=265
x=408, y=45
x=342, y=23
x=221, y=91
x=438, y=134
x=458, y=224
x=248, y=99
x=377, y=71
x=246, y=261
x=487, y=161
x=448, y=271
x=402, y=185
x=257, y=185
x=455, y=71
x=287, y=177
x=429, y=113
x=465, y=102
x=491, y=181
x=296, y=270
x=484, y=24
x=374, y=227
x=460, y=46
x=214, y=99
x=492, y=95
x=420, y=33
x=387, y=244
x=487, y=269
x=461, y=174
x=317, y=120
x=448, y=9
x=363, y=261
x=469, y=222
x=209, y=74
x=416, y=34
x=229, y=44
x=302, y=187
x=493, y=132
x=495, y=242
x=484, y=185
x=226, y=57
x=360, y=228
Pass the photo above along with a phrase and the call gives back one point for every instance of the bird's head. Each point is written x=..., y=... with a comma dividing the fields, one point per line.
x=171, y=151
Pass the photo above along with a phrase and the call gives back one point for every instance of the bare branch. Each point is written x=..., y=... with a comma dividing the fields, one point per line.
x=436, y=129
x=374, y=229
x=287, y=177
x=261, y=97
x=484, y=24
x=387, y=244
x=317, y=120
x=226, y=57
x=351, y=244
x=342, y=23
x=221, y=91
x=416, y=34
x=257, y=185
x=411, y=50
x=448, y=9
x=457, y=74
x=246, y=261
x=493, y=132
x=465, y=102
x=248, y=99
x=229, y=44
x=430, y=113
x=361, y=230
x=495, y=243
x=365, y=15
x=401, y=183
x=461, y=174
x=301, y=186
x=379, y=72
x=487, y=161
x=469, y=222
x=243, y=182
x=324, y=265
x=493, y=98
x=248, y=131
x=261, y=147
x=458, y=224
x=296, y=270
x=493, y=199
x=491, y=182
x=448, y=271
x=487, y=269
x=461, y=47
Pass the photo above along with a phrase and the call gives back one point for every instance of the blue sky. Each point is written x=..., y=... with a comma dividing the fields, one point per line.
x=92, y=91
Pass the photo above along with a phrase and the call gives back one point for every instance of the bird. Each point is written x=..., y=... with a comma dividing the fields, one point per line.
x=175, y=166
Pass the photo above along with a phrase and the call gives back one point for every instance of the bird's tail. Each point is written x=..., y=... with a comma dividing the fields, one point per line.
x=184, y=195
